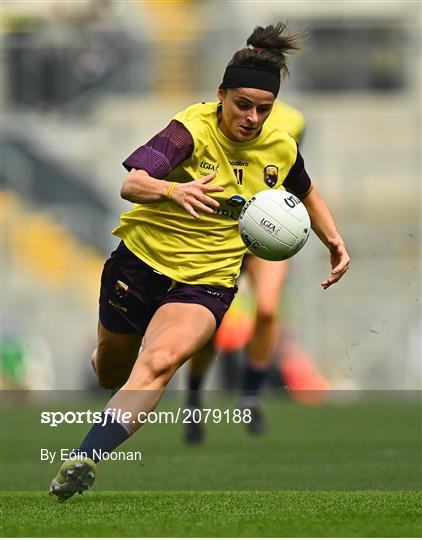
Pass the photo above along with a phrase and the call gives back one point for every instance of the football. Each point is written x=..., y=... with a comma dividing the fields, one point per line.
x=274, y=225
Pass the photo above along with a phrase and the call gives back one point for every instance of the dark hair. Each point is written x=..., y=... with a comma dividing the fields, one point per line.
x=268, y=48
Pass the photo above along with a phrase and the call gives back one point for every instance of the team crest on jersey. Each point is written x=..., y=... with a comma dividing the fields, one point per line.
x=271, y=175
x=121, y=289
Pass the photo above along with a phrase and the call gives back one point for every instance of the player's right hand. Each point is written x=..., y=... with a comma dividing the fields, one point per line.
x=192, y=196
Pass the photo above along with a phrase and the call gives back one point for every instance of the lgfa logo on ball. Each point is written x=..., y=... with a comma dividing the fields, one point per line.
x=266, y=224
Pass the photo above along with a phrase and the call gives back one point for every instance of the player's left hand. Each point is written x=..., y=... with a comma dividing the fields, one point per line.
x=340, y=263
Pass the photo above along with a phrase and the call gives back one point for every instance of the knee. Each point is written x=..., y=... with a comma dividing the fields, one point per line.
x=266, y=314
x=160, y=364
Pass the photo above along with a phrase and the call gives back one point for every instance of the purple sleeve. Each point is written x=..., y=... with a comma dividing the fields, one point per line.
x=163, y=152
x=298, y=181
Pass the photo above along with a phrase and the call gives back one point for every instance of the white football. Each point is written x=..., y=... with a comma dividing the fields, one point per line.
x=274, y=225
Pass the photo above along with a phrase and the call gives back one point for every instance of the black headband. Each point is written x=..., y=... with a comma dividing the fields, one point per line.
x=237, y=76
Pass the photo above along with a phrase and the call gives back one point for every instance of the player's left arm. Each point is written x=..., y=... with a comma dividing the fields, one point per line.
x=324, y=226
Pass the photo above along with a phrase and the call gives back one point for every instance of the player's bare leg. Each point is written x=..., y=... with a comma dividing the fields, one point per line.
x=168, y=343
x=267, y=278
x=114, y=356
x=112, y=360
x=174, y=334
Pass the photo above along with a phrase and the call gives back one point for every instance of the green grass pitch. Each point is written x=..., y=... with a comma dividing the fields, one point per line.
x=338, y=470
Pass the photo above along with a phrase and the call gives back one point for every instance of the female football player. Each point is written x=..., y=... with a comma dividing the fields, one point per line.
x=267, y=280
x=172, y=277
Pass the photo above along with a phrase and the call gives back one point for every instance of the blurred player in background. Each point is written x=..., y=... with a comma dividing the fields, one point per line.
x=172, y=277
x=267, y=279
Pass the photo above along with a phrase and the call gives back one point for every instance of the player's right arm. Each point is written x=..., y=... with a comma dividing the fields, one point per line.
x=139, y=187
x=151, y=163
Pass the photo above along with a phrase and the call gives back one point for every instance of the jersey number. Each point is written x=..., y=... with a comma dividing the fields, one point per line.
x=239, y=176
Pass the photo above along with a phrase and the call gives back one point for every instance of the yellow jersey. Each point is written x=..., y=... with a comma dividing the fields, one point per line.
x=210, y=250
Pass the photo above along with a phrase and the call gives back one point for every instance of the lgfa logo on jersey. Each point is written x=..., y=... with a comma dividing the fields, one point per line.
x=209, y=167
x=271, y=175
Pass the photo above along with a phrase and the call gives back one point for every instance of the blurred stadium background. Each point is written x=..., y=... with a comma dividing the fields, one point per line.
x=84, y=83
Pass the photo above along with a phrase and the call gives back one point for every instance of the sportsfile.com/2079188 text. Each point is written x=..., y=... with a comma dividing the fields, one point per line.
x=180, y=415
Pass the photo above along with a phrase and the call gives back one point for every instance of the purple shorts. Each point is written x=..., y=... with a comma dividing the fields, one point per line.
x=131, y=292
